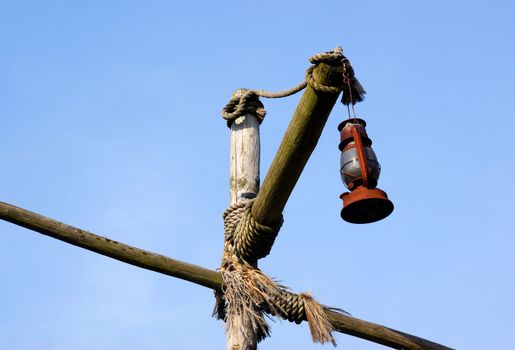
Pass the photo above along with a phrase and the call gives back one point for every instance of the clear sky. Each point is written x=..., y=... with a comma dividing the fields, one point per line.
x=110, y=121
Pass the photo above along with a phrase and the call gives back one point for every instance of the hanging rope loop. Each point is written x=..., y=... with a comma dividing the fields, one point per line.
x=246, y=101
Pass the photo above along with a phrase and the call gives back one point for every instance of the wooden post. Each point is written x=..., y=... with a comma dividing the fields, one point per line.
x=244, y=185
x=245, y=154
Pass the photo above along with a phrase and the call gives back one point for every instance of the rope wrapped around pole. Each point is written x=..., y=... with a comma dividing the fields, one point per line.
x=248, y=293
x=250, y=239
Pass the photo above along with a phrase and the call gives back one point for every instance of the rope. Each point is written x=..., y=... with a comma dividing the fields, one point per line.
x=250, y=239
x=329, y=57
x=280, y=94
x=315, y=85
x=246, y=101
x=248, y=293
x=243, y=102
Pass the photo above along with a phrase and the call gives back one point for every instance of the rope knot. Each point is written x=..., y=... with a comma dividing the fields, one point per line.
x=332, y=60
x=247, y=292
x=250, y=239
x=333, y=57
x=242, y=102
x=246, y=101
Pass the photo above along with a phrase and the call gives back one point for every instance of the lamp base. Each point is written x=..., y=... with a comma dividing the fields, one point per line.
x=365, y=205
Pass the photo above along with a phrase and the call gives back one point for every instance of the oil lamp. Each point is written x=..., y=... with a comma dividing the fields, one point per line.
x=360, y=171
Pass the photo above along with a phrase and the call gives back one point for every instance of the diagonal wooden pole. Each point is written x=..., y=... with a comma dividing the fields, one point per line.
x=193, y=273
x=298, y=143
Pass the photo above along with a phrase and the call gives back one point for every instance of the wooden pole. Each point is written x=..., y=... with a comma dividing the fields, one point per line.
x=110, y=248
x=380, y=334
x=245, y=156
x=196, y=274
x=298, y=143
x=244, y=185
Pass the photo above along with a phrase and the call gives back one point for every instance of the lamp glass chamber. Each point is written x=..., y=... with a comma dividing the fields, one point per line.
x=350, y=168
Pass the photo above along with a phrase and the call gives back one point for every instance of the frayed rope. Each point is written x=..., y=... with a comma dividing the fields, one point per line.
x=248, y=293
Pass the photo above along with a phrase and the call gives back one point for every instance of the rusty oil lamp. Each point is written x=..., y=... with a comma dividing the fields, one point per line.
x=360, y=171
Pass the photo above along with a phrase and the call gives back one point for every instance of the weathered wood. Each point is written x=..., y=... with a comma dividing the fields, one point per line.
x=380, y=334
x=297, y=145
x=196, y=274
x=245, y=155
x=110, y=248
x=244, y=185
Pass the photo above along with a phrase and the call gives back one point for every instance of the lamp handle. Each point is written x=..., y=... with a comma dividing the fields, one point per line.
x=361, y=154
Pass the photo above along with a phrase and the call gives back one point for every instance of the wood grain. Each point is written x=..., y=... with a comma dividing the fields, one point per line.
x=298, y=143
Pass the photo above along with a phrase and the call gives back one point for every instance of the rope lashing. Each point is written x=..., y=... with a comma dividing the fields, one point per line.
x=246, y=101
x=312, y=81
x=250, y=239
x=289, y=306
x=243, y=102
x=302, y=307
x=350, y=86
x=248, y=293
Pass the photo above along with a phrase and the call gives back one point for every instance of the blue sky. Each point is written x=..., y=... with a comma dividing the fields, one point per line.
x=110, y=121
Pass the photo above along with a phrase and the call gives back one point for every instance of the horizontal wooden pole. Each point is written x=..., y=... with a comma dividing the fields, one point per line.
x=380, y=334
x=110, y=248
x=196, y=274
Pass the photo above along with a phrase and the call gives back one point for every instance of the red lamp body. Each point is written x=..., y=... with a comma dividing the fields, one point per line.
x=360, y=170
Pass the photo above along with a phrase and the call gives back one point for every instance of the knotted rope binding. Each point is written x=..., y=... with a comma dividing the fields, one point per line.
x=247, y=292
x=243, y=102
x=246, y=101
x=250, y=239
